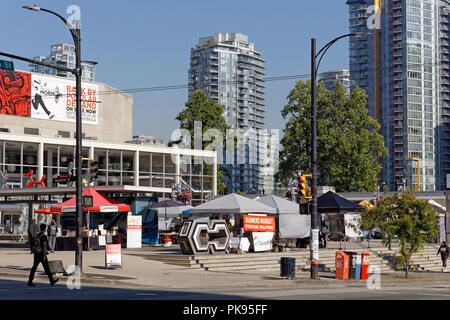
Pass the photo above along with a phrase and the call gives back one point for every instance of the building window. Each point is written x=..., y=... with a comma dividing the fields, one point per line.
x=33, y=131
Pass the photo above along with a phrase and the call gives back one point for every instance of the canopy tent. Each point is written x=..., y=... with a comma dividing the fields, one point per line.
x=171, y=209
x=280, y=204
x=437, y=206
x=292, y=224
x=101, y=203
x=43, y=211
x=331, y=201
x=232, y=203
x=366, y=204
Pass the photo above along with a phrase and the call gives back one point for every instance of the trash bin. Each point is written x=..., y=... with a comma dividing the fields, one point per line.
x=341, y=264
x=287, y=267
x=365, y=266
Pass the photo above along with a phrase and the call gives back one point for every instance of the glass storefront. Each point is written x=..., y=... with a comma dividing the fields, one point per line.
x=116, y=166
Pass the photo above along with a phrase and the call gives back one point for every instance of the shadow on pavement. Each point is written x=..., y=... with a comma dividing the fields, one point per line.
x=18, y=290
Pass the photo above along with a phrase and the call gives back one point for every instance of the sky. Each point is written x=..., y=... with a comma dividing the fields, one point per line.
x=146, y=43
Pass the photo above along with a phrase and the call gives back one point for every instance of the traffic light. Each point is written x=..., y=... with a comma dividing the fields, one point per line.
x=93, y=171
x=305, y=207
x=301, y=187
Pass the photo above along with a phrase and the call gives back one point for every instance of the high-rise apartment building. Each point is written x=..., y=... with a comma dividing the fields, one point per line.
x=403, y=64
x=330, y=77
x=63, y=55
x=229, y=69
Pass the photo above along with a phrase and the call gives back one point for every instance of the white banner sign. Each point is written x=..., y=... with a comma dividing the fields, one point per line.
x=113, y=255
x=262, y=241
x=54, y=99
x=134, y=232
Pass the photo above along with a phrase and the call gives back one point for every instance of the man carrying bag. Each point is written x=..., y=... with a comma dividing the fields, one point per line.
x=40, y=256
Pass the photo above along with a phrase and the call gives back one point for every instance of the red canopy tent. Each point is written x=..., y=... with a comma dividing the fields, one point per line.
x=101, y=203
x=43, y=211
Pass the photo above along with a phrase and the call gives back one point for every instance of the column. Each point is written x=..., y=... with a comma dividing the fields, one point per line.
x=136, y=168
x=40, y=162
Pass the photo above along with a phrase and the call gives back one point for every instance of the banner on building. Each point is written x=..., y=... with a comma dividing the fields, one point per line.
x=42, y=97
x=259, y=223
x=54, y=99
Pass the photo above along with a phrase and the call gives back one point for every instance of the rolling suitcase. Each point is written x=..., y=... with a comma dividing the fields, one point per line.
x=56, y=266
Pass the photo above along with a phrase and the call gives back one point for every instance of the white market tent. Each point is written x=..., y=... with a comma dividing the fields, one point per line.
x=232, y=203
x=292, y=224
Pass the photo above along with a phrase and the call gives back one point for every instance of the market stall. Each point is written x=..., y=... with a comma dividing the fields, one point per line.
x=251, y=219
x=290, y=223
x=93, y=238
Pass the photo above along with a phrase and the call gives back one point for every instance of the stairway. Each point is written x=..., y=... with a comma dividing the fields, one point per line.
x=380, y=256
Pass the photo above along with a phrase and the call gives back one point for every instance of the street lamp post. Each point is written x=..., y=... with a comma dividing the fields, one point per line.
x=315, y=224
x=75, y=32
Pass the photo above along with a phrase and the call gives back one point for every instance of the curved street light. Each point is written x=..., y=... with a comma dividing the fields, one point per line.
x=315, y=225
x=75, y=32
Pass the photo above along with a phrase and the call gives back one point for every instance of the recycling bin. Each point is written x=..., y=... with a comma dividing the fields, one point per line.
x=352, y=256
x=341, y=264
x=287, y=267
x=365, y=266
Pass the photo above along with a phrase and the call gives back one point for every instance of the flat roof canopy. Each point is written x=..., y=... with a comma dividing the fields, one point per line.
x=44, y=195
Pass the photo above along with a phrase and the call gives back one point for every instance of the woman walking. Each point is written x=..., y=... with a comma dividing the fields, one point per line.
x=443, y=250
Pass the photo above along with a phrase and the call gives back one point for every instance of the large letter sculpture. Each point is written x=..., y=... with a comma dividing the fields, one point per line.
x=202, y=237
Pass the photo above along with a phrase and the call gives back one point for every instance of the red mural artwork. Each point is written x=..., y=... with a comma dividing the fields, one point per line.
x=15, y=93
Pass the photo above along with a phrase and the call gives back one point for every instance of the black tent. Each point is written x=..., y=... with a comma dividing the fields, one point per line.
x=331, y=201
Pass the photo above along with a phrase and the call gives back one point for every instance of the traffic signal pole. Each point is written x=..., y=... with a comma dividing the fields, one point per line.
x=314, y=235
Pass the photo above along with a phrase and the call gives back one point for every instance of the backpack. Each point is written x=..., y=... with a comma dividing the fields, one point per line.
x=37, y=245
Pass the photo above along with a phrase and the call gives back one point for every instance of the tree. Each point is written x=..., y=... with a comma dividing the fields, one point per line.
x=348, y=142
x=411, y=221
x=207, y=111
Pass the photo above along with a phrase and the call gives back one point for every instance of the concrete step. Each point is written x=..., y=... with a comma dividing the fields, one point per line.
x=242, y=267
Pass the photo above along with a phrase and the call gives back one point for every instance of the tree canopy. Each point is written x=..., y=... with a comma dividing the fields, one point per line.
x=411, y=221
x=207, y=111
x=348, y=141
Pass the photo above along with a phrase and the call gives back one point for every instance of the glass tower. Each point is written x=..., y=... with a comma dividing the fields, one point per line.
x=228, y=68
x=403, y=64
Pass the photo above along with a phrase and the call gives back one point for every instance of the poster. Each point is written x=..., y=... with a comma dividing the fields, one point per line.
x=262, y=241
x=113, y=255
x=54, y=99
x=259, y=223
x=134, y=231
x=15, y=92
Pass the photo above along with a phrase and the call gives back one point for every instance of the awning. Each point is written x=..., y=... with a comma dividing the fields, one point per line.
x=101, y=203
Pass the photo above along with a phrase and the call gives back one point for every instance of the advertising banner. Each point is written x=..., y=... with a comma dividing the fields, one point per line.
x=113, y=256
x=15, y=92
x=54, y=99
x=259, y=223
x=134, y=232
x=262, y=241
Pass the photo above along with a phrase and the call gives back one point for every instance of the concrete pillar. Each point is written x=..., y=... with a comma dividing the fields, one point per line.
x=136, y=168
x=40, y=162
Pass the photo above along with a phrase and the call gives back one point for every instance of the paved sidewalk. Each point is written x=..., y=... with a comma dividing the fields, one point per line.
x=139, y=272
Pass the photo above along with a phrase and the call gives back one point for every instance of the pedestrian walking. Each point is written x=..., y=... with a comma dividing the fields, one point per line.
x=40, y=256
x=52, y=230
x=33, y=230
x=443, y=250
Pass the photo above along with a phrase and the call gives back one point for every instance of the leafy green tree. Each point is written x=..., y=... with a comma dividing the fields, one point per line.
x=348, y=142
x=411, y=221
x=207, y=111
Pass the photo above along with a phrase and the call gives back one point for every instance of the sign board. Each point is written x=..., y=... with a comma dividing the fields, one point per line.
x=7, y=65
x=244, y=245
x=102, y=240
x=448, y=181
x=87, y=201
x=315, y=245
x=134, y=231
x=262, y=241
x=113, y=256
x=259, y=223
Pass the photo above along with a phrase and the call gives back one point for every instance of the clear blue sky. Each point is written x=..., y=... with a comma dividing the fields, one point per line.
x=146, y=43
